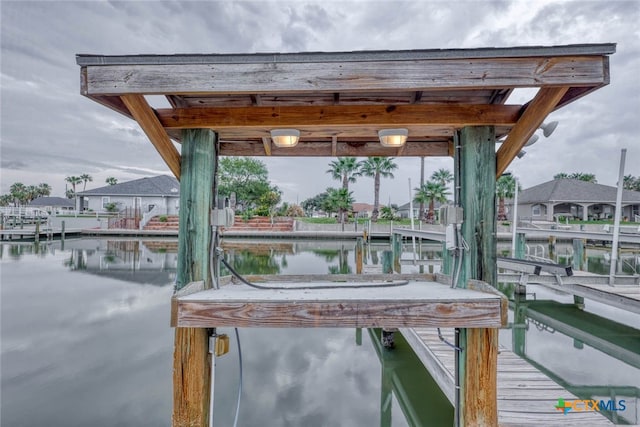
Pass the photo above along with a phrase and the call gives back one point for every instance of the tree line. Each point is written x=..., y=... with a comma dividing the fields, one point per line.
x=21, y=194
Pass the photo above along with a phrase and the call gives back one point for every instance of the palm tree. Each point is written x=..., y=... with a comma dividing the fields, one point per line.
x=345, y=169
x=377, y=167
x=18, y=192
x=338, y=200
x=111, y=180
x=505, y=189
x=44, y=189
x=431, y=192
x=85, y=177
x=442, y=176
x=73, y=180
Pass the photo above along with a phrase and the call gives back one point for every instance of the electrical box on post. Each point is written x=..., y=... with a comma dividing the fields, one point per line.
x=450, y=215
x=450, y=237
x=222, y=217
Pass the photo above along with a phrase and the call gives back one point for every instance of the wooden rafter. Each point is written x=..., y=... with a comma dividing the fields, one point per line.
x=146, y=118
x=544, y=103
x=334, y=146
x=452, y=115
x=266, y=142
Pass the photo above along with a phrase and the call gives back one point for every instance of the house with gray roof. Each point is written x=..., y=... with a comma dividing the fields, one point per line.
x=55, y=205
x=575, y=199
x=160, y=194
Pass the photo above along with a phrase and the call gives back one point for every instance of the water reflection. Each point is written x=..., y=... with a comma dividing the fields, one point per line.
x=590, y=355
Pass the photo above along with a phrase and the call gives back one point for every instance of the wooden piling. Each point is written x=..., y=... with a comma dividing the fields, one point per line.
x=191, y=359
x=477, y=362
x=578, y=254
x=359, y=255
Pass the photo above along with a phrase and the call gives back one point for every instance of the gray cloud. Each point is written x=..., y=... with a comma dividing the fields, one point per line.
x=49, y=130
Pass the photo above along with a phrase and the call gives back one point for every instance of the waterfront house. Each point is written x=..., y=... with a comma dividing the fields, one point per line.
x=576, y=199
x=158, y=193
x=55, y=205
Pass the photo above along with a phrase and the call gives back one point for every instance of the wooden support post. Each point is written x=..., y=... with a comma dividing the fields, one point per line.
x=37, y=233
x=478, y=360
x=359, y=257
x=191, y=360
x=519, y=328
x=396, y=246
x=521, y=245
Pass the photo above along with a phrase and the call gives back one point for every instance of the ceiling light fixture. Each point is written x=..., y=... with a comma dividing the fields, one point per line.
x=393, y=137
x=285, y=137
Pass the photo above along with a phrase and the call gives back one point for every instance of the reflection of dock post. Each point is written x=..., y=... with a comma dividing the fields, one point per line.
x=62, y=225
x=387, y=262
x=37, y=235
x=386, y=394
x=552, y=247
x=192, y=363
x=521, y=245
x=477, y=362
x=578, y=254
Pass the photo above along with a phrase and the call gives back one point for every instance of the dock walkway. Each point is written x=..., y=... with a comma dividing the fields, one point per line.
x=525, y=395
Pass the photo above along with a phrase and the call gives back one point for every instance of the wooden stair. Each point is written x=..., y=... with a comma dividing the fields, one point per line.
x=172, y=223
x=262, y=223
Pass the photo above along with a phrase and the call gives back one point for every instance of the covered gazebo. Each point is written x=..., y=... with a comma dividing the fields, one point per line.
x=446, y=102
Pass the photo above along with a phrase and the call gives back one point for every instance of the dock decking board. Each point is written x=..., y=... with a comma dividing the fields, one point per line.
x=525, y=395
x=419, y=303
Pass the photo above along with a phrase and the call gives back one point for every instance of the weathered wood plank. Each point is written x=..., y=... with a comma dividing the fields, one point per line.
x=146, y=118
x=416, y=75
x=425, y=304
x=544, y=103
x=337, y=116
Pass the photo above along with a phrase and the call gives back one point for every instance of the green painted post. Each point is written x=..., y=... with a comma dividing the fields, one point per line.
x=196, y=202
x=387, y=262
x=521, y=245
x=191, y=359
x=396, y=246
x=519, y=329
x=62, y=226
x=358, y=336
x=478, y=360
x=447, y=260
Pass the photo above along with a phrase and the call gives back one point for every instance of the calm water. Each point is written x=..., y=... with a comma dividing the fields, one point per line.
x=85, y=341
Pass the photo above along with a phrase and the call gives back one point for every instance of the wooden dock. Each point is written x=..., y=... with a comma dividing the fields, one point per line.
x=526, y=397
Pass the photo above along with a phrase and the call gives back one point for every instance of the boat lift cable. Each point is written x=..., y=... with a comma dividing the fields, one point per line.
x=235, y=420
x=254, y=285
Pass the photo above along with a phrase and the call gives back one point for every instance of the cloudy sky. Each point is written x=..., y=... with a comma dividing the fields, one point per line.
x=49, y=131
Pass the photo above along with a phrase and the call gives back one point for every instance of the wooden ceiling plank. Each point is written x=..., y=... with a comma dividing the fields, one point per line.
x=537, y=110
x=146, y=118
x=343, y=76
x=334, y=146
x=266, y=142
x=325, y=149
x=453, y=115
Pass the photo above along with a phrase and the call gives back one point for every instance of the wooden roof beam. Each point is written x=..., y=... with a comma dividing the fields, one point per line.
x=450, y=115
x=146, y=118
x=537, y=110
x=342, y=76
